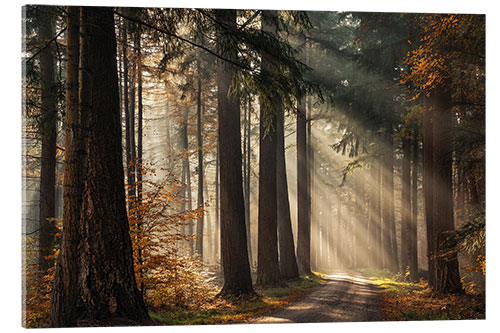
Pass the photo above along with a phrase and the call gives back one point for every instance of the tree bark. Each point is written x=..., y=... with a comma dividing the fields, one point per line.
x=247, y=187
x=405, y=206
x=66, y=291
x=447, y=277
x=287, y=259
x=268, y=273
x=303, y=223
x=414, y=208
x=138, y=166
x=48, y=132
x=199, y=222
x=107, y=277
x=389, y=244
x=237, y=279
x=428, y=140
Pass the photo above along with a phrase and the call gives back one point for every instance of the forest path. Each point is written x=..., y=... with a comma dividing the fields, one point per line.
x=345, y=296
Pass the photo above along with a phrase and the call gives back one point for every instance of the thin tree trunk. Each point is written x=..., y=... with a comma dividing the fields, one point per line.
x=389, y=252
x=199, y=223
x=414, y=208
x=287, y=259
x=237, y=279
x=131, y=128
x=247, y=187
x=405, y=206
x=246, y=174
x=48, y=131
x=187, y=168
x=303, y=223
x=217, y=206
x=138, y=171
x=66, y=291
x=428, y=138
x=128, y=149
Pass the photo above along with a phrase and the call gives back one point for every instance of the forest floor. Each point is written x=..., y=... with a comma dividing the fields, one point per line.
x=404, y=300
x=344, y=296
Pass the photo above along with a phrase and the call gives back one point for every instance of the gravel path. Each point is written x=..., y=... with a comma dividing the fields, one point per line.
x=344, y=297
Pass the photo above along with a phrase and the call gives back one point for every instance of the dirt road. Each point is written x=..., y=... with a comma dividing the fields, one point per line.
x=344, y=297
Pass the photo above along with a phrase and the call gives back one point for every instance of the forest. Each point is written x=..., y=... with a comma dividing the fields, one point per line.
x=210, y=166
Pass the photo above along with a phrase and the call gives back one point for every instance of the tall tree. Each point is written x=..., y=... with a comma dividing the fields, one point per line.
x=446, y=273
x=414, y=206
x=48, y=131
x=428, y=163
x=303, y=222
x=105, y=275
x=66, y=293
x=199, y=223
x=268, y=273
x=389, y=240
x=237, y=279
x=405, y=205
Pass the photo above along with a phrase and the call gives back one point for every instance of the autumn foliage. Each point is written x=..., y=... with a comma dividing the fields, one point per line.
x=166, y=273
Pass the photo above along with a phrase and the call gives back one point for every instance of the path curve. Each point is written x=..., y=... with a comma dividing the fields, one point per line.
x=345, y=296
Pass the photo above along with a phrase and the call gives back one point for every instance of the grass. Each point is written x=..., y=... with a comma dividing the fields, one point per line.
x=403, y=300
x=221, y=311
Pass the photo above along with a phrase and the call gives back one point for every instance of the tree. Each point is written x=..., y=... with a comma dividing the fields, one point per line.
x=267, y=252
x=446, y=273
x=414, y=206
x=237, y=279
x=303, y=224
x=66, y=292
x=48, y=131
x=405, y=205
x=287, y=259
x=107, y=286
x=199, y=224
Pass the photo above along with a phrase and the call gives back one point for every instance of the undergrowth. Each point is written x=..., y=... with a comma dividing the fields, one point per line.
x=403, y=300
x=220, y=310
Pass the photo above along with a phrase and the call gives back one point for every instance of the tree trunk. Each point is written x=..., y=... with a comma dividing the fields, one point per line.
x=447, y=277
x=132, y=192
x=287, y=260
x=237, y=279
x=187, y=168
x=217, y=207
x=48, y=131
x=247, y=187
x=138, y=170
x=199, y=223
x=128, y=149
x=428, y=133
x=303, y=222
x=267, y=247
x=390, y=250
x=107, y=278
x=405, y=206
x=66, y=293
x=414, y=208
